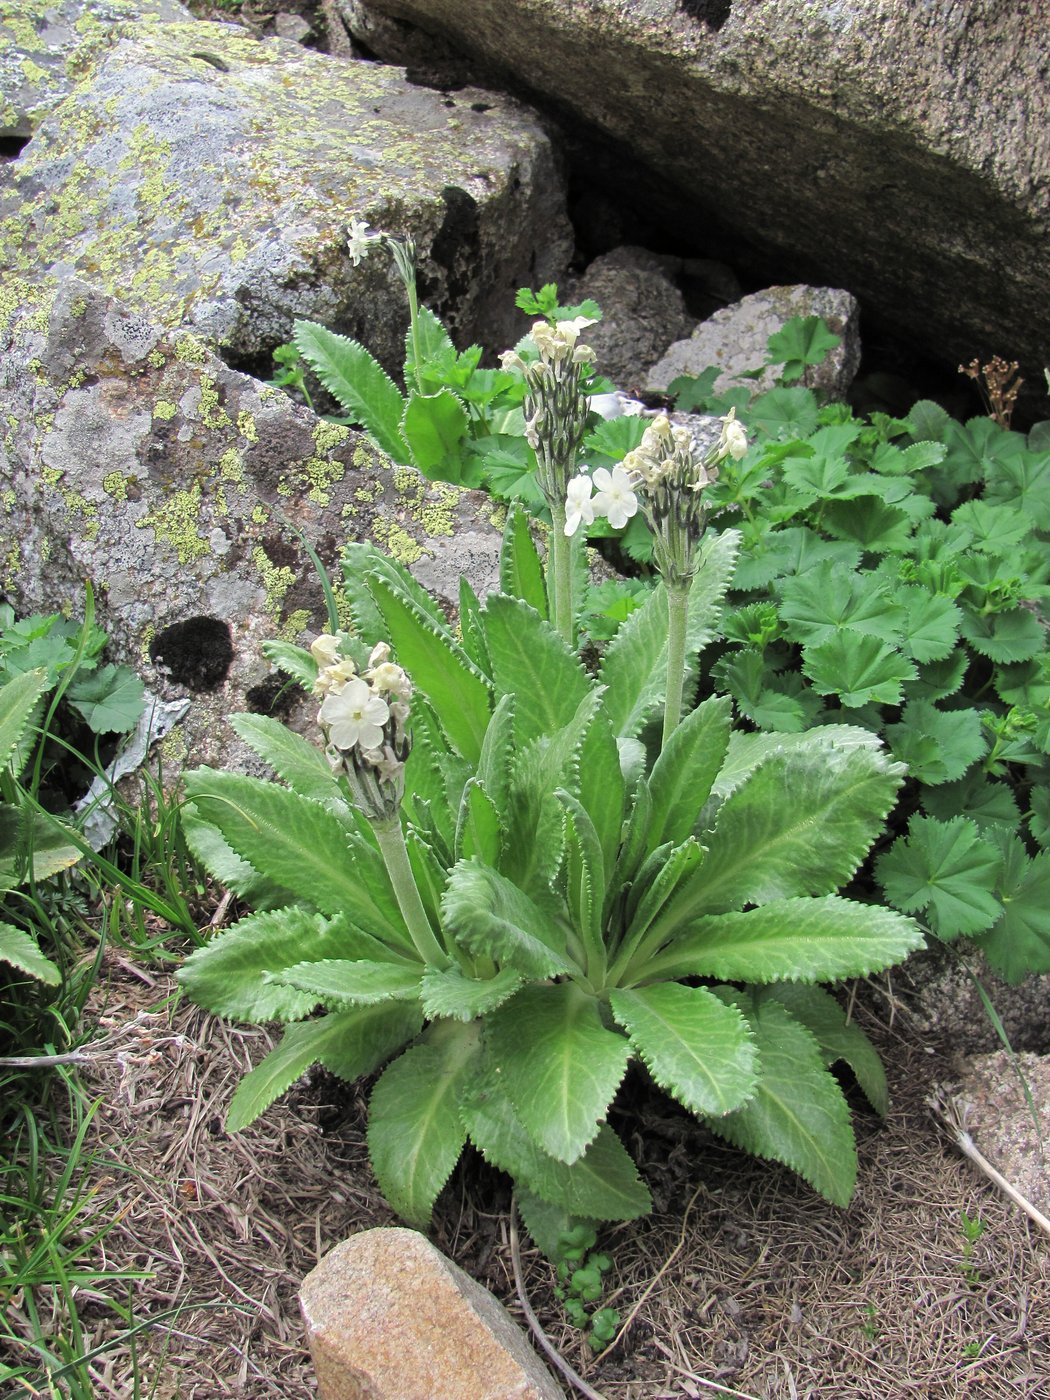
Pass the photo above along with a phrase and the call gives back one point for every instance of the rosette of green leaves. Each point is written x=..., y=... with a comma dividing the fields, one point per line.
x=599, y=903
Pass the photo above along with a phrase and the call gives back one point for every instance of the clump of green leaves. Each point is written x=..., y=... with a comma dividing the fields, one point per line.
x=592, y=896
x=581, y=1271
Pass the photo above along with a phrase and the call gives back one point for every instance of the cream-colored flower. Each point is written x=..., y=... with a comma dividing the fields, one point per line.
x=615, y=498
x=733, y=442
x=354, y=716
x=331, y=679
x=579, y=508
x=325, y=649
x=359, y=240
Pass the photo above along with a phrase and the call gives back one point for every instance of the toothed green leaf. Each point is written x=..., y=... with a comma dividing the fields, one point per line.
x=19, y=950
x=336, y=982
x=449, y=992
x=839, y=1039
x=358, y=382
x=491, y=917
x=946, y=870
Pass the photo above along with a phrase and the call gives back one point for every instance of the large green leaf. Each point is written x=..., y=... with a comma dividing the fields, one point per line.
x=33, y=843
x=602, y=1184
x=695, y=1046
x=17, y=700
x=478, y=830
x=791, y=940
x=450, y=992
x=635, y=665
x=558, y=1063
x=532, y=663
x=838, y=1038
x=1003, y=637
x=686, y=769
x=358, y=382
x=415, y=1133
x=435, y=428
x=339, y=982
x=858, y=669
x=215, y=854
x=601, y=785
x=800, y=824
x=456, y=689
x=818, y=604
x=520, y=568
x=937, y=745
x=1018, y=943
x=19, y=950
x=233, y=974
x=302, y=845
x=747, y=752
x=797, y=1115
x=349, y=1043
x=302, y=765
x=491, y=917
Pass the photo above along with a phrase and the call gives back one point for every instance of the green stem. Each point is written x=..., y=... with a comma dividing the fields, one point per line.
x=395, y=857
x=559, y=579
x=677, y=620
x=413, y=313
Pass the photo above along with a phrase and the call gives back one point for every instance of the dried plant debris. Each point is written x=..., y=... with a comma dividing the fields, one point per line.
x=772, y=1292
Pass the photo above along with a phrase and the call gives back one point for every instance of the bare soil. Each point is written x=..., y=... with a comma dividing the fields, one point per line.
x=742, y=1278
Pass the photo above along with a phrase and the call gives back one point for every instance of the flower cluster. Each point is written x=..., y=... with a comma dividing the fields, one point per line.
x=555, y=405
x=359, y=240
x=363, y=718
x=664, y=476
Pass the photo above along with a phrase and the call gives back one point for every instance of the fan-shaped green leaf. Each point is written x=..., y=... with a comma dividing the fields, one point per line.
x=817, y=604
x=932, y=627
x=1015, y=635
x=695, y=1046
x=946, y=869
x=937, y=745
x=797, y=1115
x=1018, y=943
x=857, y=669
x=558, y=1063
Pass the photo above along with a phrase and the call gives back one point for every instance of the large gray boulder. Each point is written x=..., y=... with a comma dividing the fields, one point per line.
x=134, y=458
x=206, y=179
x=899, y=150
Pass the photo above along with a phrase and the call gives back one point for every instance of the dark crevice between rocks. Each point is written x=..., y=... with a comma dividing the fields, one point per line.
x=275, y=696
x=454, y=250
x=196, y=653
x=11, y=147
x=713, y=13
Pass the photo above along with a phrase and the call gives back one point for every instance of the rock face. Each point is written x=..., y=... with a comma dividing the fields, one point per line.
x=45, y=47
x=133, y=457
x=899, y=150
x=1000, y=1122
x=734, y=339
x=390, y=1318
x=206, y=179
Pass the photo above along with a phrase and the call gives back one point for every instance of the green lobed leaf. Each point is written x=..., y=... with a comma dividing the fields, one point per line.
x=791, y=940
x=932, y=627
x=983, y=800
x=415, y=1133
x=349, y=1043
x=558, y=1063
x=491, y=917
x=358, y=382
x=19, y=950
x=602, y=1184
x=229, y=974
x=1015, y=635
x=339, y=982
x=839, y=1039
x=798, y=1114
x=937, y=745
x=877, y=527
x=435, y=427
x=946, y=869
x=1018, y=944
x=111, y=699
x=695, y=1046
x=450, y=992
x=819, y=603
x=857, y=669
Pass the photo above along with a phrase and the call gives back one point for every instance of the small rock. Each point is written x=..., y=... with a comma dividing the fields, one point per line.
x=390, y=1318
x=1000, y=1122
x=735, y=339
x=642, y=312
x=291, y=27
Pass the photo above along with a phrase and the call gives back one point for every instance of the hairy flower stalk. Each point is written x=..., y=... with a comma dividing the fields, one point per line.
x=555, y=422
x=664, y=476
x=364, y=722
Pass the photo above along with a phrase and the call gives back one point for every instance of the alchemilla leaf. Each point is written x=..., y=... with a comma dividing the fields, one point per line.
x=947, y=870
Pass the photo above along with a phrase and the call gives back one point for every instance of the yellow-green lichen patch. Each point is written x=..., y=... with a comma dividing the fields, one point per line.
x=397, y=542
x=231, y=466
x=246, y=426
x=190, y=349
x=297, y=623
x=238, y=250
x=157, y=359
x=212, y=414
x=175, y=522
x=315, y=475
x=329, y=435
x=276, y=580
x=368, y=493
x=173, y=748
x=33, y=72
x=164, y=410
x=148, y=633
x=51, y=476
x=115, y=484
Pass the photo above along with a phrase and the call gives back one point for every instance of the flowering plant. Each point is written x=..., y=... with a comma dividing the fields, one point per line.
x=535, y=892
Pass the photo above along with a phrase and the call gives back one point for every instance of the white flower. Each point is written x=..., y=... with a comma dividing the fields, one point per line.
x=325, y=649
x=734, y=437
x=354, y=716
x=615, y=499
x=579, y=508
x=511, y=360
x=557, y=342
x=389, y=679
x=359, y=240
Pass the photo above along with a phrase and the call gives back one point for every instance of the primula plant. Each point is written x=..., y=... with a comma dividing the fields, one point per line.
x=501, y=879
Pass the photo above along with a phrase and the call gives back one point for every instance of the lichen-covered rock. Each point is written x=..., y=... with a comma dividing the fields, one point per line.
x=132, y=457
x=45, y=47
x=900, y=150
x=734, y=339
x=206, y=178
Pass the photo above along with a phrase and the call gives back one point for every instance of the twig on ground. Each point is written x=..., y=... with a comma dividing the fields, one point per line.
x=952, y=1114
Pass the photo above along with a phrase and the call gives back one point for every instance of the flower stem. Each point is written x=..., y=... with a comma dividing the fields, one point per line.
x=677, y=619
x=395, y=857
x=559, y=579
